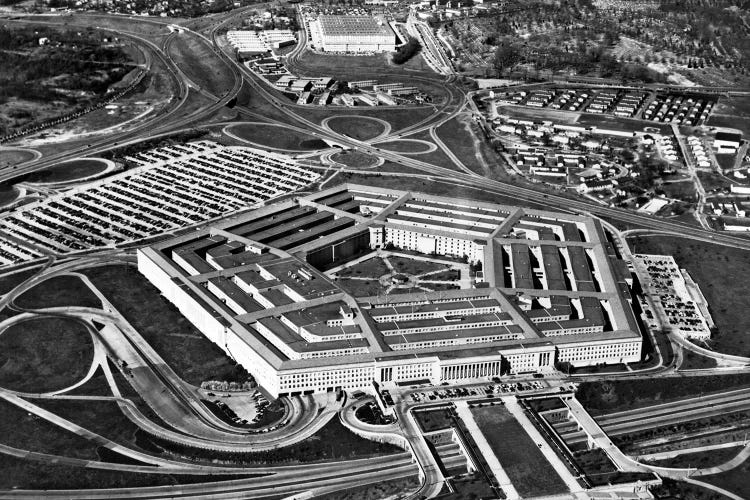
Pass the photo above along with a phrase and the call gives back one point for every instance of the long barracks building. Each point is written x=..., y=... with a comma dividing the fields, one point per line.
x=268, y=288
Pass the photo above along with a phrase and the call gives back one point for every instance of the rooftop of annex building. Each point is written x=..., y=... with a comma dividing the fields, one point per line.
x=281, y=276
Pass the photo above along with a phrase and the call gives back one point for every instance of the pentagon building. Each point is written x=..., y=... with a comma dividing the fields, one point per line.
x=263, y=286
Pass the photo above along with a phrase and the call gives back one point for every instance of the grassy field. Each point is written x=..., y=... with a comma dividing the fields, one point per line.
x=358, y=127
x=9, y=281
x=733, y=112
x=725, y=161
x=196, y=59
x=183, y=347
x=457, y=136
x=617, y=395
x=44, y=354
x=700, y=460
x=528, y=470
x=355, y=159
x=70, y=170
x=692, y=361
x=405, y=146
x=97, y=385
x=734, y=480
x=24, y=430
x=14, y=157
x=58, y=292
x=276, y=137
x=708, y=264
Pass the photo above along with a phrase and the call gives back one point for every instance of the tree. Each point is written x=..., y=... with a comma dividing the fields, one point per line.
x=507, y=55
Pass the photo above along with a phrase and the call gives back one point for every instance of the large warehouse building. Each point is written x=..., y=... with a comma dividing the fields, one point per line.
x=266, y=287
x=351, y=34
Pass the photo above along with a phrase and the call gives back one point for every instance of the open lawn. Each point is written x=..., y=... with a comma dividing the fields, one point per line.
x=700, y=460
x=9, y=281
x=528, y=470
x=44, y=354
x=725, y=161
x=458, y=137
x=97, y=385
x=69, y=171
x=355, y=159
x=24, y=430
x=14, y=156
x=617, y=395
x=362, y=128
x=693, y=361
x=734, y=480
x=8, y=194
x=195, y=58
x=61, y=172
x=708, y=264
x=732, y=112
x=183, y=347
x=57, y=292
x=405, y=146
x=277, y=137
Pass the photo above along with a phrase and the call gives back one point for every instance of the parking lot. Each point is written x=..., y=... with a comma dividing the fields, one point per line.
x=489, y=390
x=170, y=188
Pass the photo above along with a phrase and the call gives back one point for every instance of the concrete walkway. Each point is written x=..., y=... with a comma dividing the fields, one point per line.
x=462, y=409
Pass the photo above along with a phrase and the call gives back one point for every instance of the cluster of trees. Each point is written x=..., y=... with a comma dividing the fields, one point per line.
x=576, y=36
x=73, y=62
x=407, y=51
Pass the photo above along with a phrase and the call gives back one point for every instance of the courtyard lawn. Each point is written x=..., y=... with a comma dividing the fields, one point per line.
x=370, y=268
x=413, y=266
